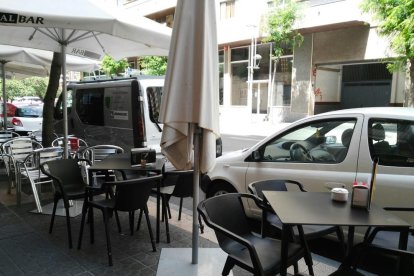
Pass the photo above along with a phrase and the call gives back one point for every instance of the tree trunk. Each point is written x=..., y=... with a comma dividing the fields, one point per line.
x=49, y=100
x=411, y=84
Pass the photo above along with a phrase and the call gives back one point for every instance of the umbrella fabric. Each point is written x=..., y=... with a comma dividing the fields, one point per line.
x=34, y=62
x=92, y=28
x=191, y=85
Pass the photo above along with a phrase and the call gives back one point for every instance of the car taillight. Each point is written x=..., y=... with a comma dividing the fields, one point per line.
x=16, y=122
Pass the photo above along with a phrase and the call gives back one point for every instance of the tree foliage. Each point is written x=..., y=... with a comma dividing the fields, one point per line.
x=396, y=22
x=279, y=24
x=114, y=67
x=33, y=86
x=153, y=65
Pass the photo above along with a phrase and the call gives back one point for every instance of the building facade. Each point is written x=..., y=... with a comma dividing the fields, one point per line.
x=338, y=65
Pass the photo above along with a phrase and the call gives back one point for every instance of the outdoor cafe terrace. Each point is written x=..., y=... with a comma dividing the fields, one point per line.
x=26, y=247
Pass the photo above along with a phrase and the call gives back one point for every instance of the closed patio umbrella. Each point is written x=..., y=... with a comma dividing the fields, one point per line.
x=189, y=106
x=88, y=28
x=32, y=62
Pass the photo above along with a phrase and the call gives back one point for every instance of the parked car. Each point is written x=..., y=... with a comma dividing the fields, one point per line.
x=27, y=118
x=330, y=150
x=11, y=110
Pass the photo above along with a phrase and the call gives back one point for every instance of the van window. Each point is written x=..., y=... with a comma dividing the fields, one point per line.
x=154, y=95
x=89, y=106
x=59, y=105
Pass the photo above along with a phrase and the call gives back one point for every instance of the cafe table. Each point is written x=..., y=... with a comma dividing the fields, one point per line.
x=317, y=208
x=122, y=163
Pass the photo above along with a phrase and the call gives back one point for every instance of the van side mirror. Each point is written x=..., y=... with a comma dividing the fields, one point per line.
x=256, y=155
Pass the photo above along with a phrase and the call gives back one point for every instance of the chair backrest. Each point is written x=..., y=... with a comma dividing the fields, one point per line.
x=6, y=135
x=133, y=194
x=226, y=213
x=66, y=173
x=40, y=156
x=58, y=142
x=183, y=181
x=100, y=152
x=19, y=148
x=258, y=187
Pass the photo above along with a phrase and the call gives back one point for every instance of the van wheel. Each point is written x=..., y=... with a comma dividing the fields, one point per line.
x=221, y=188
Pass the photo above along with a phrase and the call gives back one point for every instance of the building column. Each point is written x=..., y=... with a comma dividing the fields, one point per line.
x=302, y=100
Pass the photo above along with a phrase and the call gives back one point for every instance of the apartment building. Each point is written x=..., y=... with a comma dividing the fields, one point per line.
x=338, y=65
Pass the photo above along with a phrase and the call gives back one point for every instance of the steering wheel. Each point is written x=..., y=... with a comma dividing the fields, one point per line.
x=299, y=153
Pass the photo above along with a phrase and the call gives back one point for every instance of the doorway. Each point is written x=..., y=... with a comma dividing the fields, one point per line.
x=260, y=92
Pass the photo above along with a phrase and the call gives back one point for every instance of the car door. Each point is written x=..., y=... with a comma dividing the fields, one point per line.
x=391, y=139
x=333, y=161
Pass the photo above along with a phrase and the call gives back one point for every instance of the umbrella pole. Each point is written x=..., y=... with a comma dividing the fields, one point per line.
x=3, y=77
x=197, y=148
x=64, y=98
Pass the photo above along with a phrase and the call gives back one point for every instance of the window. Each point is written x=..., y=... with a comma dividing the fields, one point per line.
x=392, y=142
x=316, y=142
x=90, y=106
x=239, y=71
x=227, y=9
x=154, y=95
x=221, y=76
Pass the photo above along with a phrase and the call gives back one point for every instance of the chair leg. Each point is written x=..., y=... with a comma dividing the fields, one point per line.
x=118, y=223
x=168, y=207
x=108, y=240
x=52, y=219
x=84, y=212
x=131, y=222
x=68, y=226
x=164, y=207
x=139, y=219
x=181, y=207
x=149, y=228
x=200, y=222
x=227, y=266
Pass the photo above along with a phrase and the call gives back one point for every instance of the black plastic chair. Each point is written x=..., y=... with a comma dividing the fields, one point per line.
x=403, y=261
x=69, y=185
x=270, y=219
x=225, y=214
x=130, y=195
x=178, y=184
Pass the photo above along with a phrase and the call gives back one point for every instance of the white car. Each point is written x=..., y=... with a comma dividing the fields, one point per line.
x=330, y=150
x=27, y=118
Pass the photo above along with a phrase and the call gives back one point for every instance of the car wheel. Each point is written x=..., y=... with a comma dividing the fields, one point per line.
x=220, y=188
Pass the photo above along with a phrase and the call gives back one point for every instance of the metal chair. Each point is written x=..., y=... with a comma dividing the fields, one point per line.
x=270, y=218
x=69, y=185
x=225, y=214
x=130, y=195
x=29, y=169
x=6, y=135
x=98, y=153
x=16, y=149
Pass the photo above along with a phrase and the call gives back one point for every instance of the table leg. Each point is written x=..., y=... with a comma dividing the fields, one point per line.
x=402, y=244
x=351, y=231
x=284, y=250
x=158, y=213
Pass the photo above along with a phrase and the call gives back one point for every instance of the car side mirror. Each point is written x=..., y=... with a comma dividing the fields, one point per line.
x=256, y=155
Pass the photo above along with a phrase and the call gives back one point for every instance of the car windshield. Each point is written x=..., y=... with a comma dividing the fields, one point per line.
x=29, y=111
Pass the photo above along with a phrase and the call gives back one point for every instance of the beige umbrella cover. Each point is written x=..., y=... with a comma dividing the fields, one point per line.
x=191, y=85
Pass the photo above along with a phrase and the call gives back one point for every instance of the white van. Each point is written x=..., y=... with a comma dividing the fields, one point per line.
x=122, y=112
